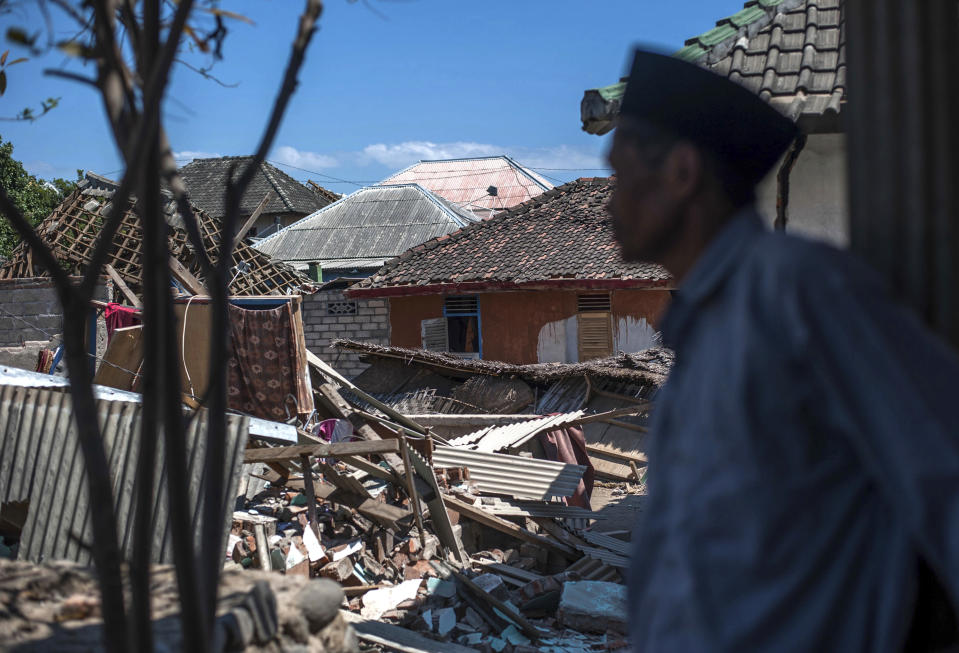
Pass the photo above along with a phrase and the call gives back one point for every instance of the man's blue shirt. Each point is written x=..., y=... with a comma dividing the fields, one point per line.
x=803, y=453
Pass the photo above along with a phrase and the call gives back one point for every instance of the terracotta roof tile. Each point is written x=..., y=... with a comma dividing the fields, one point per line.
x=565, y=233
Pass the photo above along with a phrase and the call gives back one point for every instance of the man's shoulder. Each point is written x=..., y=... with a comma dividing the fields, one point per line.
x=789, y=262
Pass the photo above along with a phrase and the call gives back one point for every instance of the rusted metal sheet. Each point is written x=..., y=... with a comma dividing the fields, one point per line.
x=41, y=463
x=517, y=476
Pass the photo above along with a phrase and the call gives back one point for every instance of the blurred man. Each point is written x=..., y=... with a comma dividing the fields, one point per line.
x=804, y=453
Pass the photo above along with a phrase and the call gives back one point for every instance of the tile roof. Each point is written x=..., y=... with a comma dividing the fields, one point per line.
x=72, y=229
x=374, y=223
x=206, y=181
x=564, y=234
x=792, y=53
x=465, y=182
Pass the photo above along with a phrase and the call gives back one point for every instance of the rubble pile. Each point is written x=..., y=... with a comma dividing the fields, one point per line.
x=428, y=557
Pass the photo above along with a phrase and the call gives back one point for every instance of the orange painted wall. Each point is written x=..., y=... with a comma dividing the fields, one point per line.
x=511, y=321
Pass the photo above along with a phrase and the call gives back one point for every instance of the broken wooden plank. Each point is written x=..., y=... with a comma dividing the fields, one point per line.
x=308, y=491
x=384, y=514
x=122, y=286
x=505, y=526
x=370, y=468
x=441, y=519
x=507, y=570
x=331, y=373
x=241, y=232
x=184, y=276
x=323, y=450
x=399, y=639
x=413, y=494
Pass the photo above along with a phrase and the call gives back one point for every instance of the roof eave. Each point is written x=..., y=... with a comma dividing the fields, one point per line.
x=493, y=286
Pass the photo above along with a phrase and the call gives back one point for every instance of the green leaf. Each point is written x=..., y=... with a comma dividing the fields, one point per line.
x=17, y=60
x=3, y=57
x=3, y=82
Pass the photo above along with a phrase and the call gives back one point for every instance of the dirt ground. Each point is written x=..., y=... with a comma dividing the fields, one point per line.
x=618, y=505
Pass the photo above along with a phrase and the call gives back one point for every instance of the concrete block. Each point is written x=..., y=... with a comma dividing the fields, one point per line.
x=593, y=606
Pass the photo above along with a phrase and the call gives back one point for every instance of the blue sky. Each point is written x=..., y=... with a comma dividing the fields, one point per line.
x=386, y=83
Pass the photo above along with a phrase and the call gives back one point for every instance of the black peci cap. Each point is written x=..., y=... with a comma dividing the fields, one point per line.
x=693, y=103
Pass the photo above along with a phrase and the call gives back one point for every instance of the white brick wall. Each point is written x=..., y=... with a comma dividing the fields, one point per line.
x=323, y=324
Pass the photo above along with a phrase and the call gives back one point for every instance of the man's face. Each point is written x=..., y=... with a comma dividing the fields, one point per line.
x=645, y=214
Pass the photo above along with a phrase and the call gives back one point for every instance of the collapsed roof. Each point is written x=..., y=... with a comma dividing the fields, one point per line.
x=71, y=231
x=561, y=237
x=792, y=53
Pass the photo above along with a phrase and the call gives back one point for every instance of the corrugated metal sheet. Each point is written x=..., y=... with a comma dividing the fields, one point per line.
x=41, y=463
x=608, y=557
x=517, y=476
x=592, y=569
x=530, y=509
x=607, y=542
x=378, y=222
x=508, y=436
x=464, y=182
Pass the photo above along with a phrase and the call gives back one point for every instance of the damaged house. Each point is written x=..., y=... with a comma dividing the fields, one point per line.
x=481, y=186
x=542, y=282
x=792, y=53
x=350, y=239
x=287, y=199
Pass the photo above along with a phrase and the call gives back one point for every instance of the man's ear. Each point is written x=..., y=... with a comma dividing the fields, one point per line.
x=683, y=169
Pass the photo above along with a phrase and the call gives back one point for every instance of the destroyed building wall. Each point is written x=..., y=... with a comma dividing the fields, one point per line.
x=30, y=315
x=329, y=315
x=536, y=326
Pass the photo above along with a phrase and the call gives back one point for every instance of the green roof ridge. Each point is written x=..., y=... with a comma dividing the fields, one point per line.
x=747, y=15
x=716, y=35
x=691, y=53
x=612, y=92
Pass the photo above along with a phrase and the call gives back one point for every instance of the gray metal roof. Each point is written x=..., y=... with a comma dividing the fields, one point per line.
x=517, y=476
x=377, y=222
x=41, y=463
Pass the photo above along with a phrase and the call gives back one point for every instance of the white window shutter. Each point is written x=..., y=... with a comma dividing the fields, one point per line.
x=435, y=334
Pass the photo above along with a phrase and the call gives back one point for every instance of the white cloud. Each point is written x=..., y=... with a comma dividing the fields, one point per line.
x=579, y=160
x=404, y=154
x=188, y=155
x=586, y=161
x=303, y=159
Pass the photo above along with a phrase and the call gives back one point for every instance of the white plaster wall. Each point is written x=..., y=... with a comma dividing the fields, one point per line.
x=551, y=343
x=558, y=341
x=818, y=191
x=631, y=335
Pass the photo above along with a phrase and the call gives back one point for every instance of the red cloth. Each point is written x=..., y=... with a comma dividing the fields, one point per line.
x=568, y=445
x=118, y=316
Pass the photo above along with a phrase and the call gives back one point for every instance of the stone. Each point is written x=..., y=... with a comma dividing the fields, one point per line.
x=442, y=588
x=418, y=569
x=593, y=606
x=445, y=620
x=320, y=602
x=493, y=584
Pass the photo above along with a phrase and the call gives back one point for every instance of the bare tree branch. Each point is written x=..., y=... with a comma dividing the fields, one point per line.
x=216, y=431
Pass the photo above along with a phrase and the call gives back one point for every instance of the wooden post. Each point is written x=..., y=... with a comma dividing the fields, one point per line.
x=308, y=491
x=411, y=489
x=123, y=287
x=262, y=547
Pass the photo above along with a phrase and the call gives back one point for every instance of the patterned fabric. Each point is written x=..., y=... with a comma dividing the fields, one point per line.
x=264, y=368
